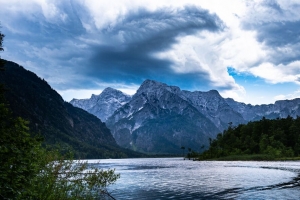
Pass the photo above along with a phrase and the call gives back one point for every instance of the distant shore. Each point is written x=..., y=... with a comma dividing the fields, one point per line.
x=254, y=157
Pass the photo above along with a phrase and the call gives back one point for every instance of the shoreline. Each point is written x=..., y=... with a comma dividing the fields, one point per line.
x=254, y=157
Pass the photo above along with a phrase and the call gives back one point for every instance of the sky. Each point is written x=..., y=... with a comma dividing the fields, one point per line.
x=248, y=50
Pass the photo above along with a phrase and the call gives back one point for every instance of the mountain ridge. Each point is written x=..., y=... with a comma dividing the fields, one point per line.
x=156, y=113
x=59, y=122
x=205, y=114
x=104, y=104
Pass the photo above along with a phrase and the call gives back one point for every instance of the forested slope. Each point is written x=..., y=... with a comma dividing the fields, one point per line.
x=274, y=138
x=57, y=121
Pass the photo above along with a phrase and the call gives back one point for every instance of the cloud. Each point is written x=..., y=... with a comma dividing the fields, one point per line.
x=277, y=27
x=80, y=45
x=275, y=73
x=132, y=42
x=86, y=45
x=280, y=37
x=64, y=43
x=162, y=26
x=273, y=29
x=295, y=94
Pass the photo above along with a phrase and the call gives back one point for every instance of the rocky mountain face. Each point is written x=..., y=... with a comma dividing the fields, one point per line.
x=161, y=118
x=281, y=109
x=214, y=107
x=57, y=121
x=103, y=105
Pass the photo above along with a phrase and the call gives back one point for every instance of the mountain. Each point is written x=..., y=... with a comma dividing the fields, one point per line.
x=161, y=118
x=103, y=105
x=281, y=109
x=212, y=105
x=57, y=121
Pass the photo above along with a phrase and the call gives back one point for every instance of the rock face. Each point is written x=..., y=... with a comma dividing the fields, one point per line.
x=214, y=107
x=103, y=105
x=281, y=109
x=161, y=118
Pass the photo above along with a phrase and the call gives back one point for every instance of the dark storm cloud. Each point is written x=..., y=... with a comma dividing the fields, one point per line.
x=61, y=49
x=153, y=31
x=136, y=36
x=279, y=34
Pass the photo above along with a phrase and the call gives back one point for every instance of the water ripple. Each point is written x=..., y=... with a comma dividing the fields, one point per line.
x=174, y=178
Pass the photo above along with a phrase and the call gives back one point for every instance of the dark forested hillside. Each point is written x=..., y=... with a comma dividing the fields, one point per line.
x=57, y=121
x=274, y=138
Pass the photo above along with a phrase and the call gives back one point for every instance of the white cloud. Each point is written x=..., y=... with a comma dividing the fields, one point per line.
x=49, y=9
x=278, y=74
x=293, y=95
x=238, y=94
x=259, y=11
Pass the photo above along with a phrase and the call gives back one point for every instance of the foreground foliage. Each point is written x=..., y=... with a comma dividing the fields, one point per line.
x=30, y=171
x=268, y=139
x=69, y=179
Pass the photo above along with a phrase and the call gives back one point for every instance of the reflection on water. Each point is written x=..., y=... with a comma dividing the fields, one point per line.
x=175, y=178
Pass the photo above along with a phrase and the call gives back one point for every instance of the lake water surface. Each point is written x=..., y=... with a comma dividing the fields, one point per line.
x=175, y=178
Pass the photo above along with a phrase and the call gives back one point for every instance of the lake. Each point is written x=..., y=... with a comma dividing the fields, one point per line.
x=175, y=178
